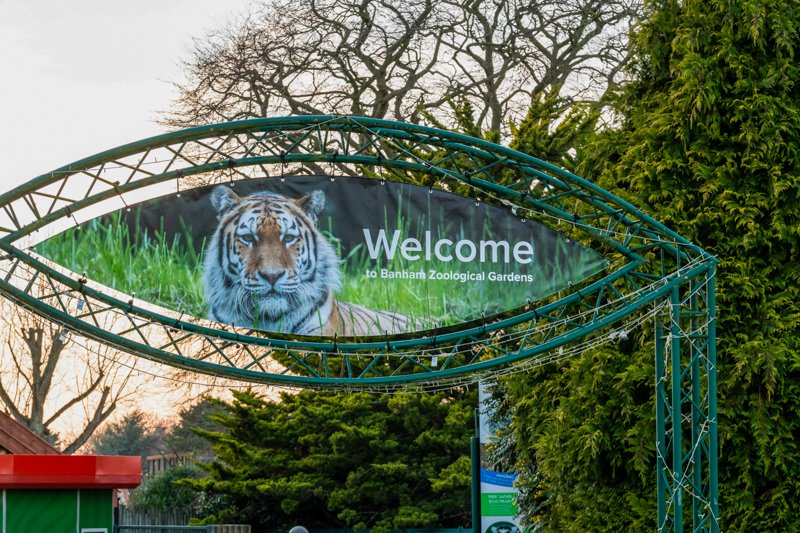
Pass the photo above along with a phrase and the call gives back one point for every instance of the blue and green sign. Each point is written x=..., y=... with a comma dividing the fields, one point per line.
x=498, y=506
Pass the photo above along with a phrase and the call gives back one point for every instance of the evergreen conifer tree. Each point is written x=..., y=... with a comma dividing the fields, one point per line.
x=708, y=144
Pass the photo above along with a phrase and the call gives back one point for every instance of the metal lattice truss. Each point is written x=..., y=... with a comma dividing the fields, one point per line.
x=652, y=272
x=647, y=259
x=686, y=410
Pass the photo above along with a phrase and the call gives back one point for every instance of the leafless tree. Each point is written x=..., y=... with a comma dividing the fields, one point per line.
x=399, y=60
x=47, y=377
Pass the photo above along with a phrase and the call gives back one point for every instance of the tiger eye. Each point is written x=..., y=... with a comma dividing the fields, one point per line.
x=247, y=238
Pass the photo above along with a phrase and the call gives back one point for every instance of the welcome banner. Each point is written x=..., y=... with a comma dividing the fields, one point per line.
x=321, y=255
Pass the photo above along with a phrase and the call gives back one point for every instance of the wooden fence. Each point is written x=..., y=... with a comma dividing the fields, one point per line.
x=227, y=528
x=139, y=517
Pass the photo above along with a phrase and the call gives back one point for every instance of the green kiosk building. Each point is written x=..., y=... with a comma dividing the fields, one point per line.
x=43, y=492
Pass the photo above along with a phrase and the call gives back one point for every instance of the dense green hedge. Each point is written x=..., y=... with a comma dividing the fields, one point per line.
x=709, y=144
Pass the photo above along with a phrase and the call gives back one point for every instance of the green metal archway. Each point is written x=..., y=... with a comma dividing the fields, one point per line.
x=652, y=273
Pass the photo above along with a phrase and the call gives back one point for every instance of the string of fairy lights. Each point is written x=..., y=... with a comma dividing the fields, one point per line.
x=22, y=274
x=621, y=332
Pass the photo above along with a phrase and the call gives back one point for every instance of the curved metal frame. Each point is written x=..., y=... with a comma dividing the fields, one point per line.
x=652, y=267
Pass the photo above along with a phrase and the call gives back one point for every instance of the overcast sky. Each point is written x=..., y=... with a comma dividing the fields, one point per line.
x=80, y=76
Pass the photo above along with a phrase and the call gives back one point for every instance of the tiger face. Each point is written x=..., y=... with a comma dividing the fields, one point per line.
x=267, y=265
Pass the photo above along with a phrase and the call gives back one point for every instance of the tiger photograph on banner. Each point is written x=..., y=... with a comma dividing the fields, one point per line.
x=325, y=256
x=268, y=266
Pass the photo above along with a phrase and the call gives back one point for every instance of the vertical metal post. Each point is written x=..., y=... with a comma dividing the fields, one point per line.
x=713, y=488
x=475, y=453
x=698, y=416
x=691, y=469
x=675, y=374
x=476, y=484
x=661, y=433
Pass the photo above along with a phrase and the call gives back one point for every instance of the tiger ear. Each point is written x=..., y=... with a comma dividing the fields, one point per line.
x=312, y=204
x=223, y=198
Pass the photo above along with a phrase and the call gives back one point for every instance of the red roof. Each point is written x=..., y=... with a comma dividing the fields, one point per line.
x=16, y=438
x=70, y=472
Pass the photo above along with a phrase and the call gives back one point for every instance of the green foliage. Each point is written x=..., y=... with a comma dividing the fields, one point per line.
x=464, y=121
x=183, y=438
x=160, y=491
x=553, y=131
x=133, y=434
x=329, y=460
x=586, y=429
x=709, y=145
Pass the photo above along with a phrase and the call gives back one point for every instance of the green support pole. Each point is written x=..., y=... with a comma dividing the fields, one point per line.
x=689, y=366
x=713, y=488
x=675, y=374
x=661, y=434
x=697, y=412
x=476, y=484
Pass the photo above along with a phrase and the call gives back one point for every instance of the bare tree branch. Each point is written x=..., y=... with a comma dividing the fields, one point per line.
x=11, y=406
x=34, y=387
x=104, y=410
x=75, y=400
x=20, y=370
x=393, y=60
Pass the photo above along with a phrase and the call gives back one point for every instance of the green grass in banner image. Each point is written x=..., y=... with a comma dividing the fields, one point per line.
x=431, y=302
x=157, y=270
x=566, y=266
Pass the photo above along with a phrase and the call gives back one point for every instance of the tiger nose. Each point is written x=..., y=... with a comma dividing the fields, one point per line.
x=272, y=277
